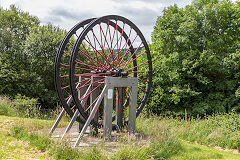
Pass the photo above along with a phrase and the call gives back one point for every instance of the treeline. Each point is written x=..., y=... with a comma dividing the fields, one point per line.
x=195, y=54
x=27, y=52
x=196, y=59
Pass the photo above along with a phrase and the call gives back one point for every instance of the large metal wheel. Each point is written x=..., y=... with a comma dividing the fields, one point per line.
x=109, y=46
x=62, y=67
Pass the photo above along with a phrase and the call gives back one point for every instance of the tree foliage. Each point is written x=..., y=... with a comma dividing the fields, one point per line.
x=196, y=58
x=27, y=56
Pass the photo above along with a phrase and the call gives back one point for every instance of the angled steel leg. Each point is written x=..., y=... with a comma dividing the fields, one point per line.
x=59, y=118
x=57, y=121
x=74, y=117
x=90, y=116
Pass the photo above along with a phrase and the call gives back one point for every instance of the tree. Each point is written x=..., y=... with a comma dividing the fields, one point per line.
x=196, y=53
x=40, y=49
x=27, y=52
x=14, y=27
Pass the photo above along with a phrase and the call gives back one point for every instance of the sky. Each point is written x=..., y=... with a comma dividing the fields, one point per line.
x=67, y=13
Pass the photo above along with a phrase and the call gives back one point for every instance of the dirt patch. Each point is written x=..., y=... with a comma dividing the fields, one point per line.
x=235, y=151
x=88, y=140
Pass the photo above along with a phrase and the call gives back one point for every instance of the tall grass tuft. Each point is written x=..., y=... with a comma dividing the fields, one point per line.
x=6, y=107
x=221, y=130
x=26, y=107
x=164, y=142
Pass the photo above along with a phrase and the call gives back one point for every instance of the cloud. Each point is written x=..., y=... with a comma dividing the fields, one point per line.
x=66, y=14
x=140, y=16
x=63, y=13
x=60, y=14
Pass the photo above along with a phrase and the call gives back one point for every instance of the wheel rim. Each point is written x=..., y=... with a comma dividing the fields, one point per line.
x=115, y=46
x=61, y=67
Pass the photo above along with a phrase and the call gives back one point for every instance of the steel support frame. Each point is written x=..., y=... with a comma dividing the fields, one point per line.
x=107, y=94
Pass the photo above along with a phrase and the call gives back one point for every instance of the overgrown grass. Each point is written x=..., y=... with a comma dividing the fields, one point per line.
x=217, y=130
x=5, y=107
x=22, y=106
x=165, y=135
x=163, y=142
x=56, y=150
x=221, y=130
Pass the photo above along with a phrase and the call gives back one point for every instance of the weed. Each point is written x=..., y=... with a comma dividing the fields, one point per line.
x=19, y=132
x=126, y=152
x=5, y=107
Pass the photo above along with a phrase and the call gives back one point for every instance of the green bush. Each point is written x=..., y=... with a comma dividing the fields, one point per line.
x=196, y=59
x=26, y=107
x=6, y=107
x=23, y=106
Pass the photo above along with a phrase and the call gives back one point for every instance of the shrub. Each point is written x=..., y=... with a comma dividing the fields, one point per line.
x=5, y=107
x=26, y=107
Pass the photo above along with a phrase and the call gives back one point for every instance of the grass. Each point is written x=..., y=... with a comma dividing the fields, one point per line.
x=198, y=152
x=221, y=130
x=168, y=138
x=165, y=142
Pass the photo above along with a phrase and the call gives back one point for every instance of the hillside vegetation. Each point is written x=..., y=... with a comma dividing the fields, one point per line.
x=196, y=59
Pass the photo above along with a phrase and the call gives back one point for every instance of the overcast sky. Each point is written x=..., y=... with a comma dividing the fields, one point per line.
x=66, y=13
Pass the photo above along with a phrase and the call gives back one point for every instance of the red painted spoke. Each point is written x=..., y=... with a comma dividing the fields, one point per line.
x=128, y=51
x=65, y=65
x=142, y=89
x=113, y=35
x=83, y=106
x=138, y=72
x=80, y=62
x=105, y=57
x=68, y=97
x=89, y=42
x=116, y=36
x=143, y=80
x=110, y=48
x=73, y=107
x=86, y=69
x=64, y=76
x=65, y=87
x=70, y=55
x=118, y=48
x=90, y=66
x=101, y=41
x=92, y=103
x=89, y=57
x=129, y=60
x=105, y=37
x=86, y=55
x=84, y=85
x=87, y=83
x=91, y=91
x=92, y=74
x=124, y=53
x=75, y=83
x=109, y=31
x=137, y=66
